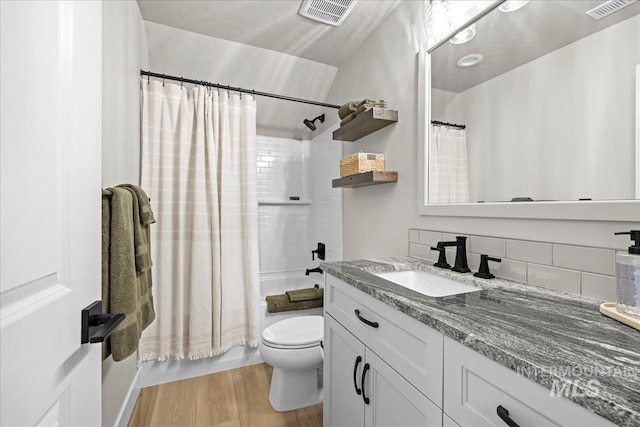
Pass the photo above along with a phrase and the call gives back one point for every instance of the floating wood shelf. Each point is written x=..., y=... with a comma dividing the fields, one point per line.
x=365, y=123
x=366, y=178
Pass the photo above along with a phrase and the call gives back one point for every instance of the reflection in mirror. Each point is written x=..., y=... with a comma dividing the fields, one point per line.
x=548, y=113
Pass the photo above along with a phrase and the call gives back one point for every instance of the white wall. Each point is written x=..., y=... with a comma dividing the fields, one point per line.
x=183, y=53
x=534, y=148
x=124, y=50
x=377, y=218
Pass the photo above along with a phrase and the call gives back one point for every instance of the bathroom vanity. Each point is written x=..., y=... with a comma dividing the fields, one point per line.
x=502, y=354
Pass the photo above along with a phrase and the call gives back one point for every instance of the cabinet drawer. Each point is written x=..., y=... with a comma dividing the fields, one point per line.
x=475, y=386
x=412, y=348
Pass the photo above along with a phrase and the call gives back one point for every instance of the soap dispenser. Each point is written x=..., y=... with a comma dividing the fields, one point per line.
x=628, y=276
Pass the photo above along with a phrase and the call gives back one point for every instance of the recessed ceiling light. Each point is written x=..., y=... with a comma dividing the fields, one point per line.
x=464, y=35
x=512, y=5
x=469, y=60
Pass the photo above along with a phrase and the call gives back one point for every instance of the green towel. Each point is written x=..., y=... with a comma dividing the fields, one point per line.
x=106, y=233
x=369, y=105
x=146, y=214
x=127, y=289
x=306, y=294
x=140, y=230
x=347, y=109
x=279, y=303
x=348, y=119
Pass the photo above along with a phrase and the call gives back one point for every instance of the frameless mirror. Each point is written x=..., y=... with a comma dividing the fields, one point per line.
x=549, y=112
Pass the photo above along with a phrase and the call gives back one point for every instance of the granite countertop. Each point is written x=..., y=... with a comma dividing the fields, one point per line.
x=547, y=336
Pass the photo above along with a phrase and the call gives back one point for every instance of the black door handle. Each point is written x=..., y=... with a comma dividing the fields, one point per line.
x=365, y=321
x=355, y=372
x=95, y=326
x=503, y=413
x=364, y=374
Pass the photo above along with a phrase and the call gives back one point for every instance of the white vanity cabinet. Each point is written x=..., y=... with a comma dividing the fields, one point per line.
x=476, y=386
x=417, y=376
x=399, y=358
x=366, y=391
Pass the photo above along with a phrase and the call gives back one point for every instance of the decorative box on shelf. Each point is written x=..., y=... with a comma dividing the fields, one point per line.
x=360, y=163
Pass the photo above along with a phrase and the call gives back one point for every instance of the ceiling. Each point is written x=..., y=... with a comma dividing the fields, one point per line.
x=509, y=40
x=272, y=24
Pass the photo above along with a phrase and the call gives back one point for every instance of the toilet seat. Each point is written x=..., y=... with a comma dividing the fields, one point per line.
x=295, y=333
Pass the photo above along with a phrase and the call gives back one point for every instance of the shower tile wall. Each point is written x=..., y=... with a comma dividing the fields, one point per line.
x=326, y=211
x=284, y=229
x=288, y=233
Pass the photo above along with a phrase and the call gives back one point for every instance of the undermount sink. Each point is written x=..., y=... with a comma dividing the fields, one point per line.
x=427, y=284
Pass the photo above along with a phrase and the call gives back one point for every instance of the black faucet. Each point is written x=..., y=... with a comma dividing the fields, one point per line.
x=460, y=264
x=442, y=258
x=313, y=270
x=483, y=269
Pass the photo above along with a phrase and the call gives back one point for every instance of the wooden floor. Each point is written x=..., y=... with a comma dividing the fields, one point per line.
x=235, y=398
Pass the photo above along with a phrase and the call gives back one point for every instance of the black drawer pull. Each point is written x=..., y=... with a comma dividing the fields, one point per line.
x=364, y=374
x=363, y=320
x=503, y=413
x=355, y=372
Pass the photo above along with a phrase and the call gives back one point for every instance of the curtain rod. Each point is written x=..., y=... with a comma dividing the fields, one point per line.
x=235, y=89
x=451, y=125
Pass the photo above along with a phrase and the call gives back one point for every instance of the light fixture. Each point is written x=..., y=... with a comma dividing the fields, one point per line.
x=469, y=60
x=512, y=5
x=438, y=19
x=464, y=35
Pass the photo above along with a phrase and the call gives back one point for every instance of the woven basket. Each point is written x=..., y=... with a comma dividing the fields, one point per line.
x=361, y=162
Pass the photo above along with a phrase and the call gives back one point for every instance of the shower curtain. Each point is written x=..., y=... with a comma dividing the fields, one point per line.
x=199, y=169
x=448, y=166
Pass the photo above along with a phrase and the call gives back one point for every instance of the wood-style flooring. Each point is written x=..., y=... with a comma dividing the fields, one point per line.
x=235, y=398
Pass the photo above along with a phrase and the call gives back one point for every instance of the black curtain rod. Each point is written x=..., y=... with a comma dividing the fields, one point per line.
x=451, y=125
x=235, y=89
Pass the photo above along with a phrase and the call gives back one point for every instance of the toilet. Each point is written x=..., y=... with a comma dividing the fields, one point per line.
x=293, y=347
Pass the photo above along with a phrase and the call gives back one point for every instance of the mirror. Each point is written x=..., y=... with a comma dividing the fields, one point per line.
x=549, y=112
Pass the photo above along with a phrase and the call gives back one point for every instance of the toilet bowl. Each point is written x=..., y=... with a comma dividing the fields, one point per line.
x=293, y=348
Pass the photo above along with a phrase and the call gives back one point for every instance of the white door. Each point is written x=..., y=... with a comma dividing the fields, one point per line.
x=343, y=362
x=50, y=119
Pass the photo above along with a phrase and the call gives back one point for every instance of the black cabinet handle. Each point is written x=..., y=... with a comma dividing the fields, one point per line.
x=355, y=372
x=363, y=320
x=503, y=413
x=364, y=374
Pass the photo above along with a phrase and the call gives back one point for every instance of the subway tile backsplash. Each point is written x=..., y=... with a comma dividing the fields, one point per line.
x=589, y=271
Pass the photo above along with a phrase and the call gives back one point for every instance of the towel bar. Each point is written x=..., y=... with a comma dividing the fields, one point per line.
x=96, y=326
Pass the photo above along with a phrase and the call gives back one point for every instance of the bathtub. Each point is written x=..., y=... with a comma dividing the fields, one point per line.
x=153, y=372
x=280, y=282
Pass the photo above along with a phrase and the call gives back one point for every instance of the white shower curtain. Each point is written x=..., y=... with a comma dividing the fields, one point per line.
x=448, y=165
x=199, y=169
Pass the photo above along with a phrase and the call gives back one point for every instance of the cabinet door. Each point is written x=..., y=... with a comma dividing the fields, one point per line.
x=475, y=387
x=343, y=361
x=393, y=401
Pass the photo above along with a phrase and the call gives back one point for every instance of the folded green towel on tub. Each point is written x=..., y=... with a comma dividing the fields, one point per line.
x=280, y=303
x=304, y=294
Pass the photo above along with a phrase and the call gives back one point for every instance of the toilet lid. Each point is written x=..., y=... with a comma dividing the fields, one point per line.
x=295, y=331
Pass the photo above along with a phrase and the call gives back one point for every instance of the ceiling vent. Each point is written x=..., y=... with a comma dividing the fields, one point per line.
x=332, y=12
x=609, y=7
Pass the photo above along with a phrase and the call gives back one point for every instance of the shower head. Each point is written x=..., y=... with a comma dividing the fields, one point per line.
x=310, y=123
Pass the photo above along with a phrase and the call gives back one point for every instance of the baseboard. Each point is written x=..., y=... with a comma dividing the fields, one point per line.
x=129, y=403
x=153, y=373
